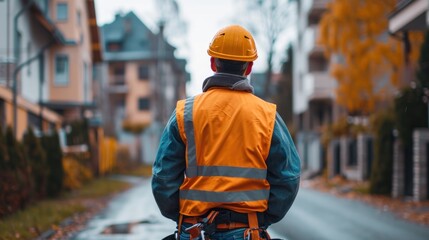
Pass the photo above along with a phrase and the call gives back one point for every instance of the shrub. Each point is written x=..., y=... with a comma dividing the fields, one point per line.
x=14, y=179
x=4, y=156
x=37, y=160
x=75, y=174
x=54, y=156
x=15, y=155
x=125, y=162
x=5, y=176
x=410, y=113
x=381, y=173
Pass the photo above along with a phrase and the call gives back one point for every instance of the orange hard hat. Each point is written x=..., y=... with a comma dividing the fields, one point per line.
x=233, y=43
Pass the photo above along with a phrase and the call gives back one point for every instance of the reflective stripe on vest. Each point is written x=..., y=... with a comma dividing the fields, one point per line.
x=225, y=197
x=191, y=170
x=226, y=171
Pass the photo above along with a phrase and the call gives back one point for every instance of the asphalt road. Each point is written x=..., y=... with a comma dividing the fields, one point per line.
x=321, y=216
x=314, y=216
x=133, y=215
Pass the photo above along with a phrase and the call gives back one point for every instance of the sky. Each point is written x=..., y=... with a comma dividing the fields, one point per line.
x=201, y=18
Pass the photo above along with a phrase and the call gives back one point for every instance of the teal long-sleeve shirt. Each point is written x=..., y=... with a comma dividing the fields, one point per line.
x=283, y=171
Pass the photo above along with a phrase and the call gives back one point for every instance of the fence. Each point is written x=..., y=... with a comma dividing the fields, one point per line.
x=108, y=150
x=351, y=157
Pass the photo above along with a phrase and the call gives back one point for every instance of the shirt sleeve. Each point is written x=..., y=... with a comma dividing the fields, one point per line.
x=168, y=170
x=284, y=168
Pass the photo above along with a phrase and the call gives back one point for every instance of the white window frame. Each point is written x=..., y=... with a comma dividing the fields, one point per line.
x=62, y=79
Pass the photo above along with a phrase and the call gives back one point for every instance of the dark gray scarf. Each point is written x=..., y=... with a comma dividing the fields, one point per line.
x=228, y=81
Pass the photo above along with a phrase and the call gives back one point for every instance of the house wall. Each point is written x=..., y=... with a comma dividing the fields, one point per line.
x=78, y=51
x=24, y=107
x=33, y=38
x=137, y=89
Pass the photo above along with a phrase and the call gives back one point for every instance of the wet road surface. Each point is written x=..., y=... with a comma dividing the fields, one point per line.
x=321, y=216
x=314, y=216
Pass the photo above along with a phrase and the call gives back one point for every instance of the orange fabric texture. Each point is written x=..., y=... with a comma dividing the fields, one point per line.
x=232, y=129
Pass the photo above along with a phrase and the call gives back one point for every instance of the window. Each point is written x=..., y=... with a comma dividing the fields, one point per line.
x=144, y=43
x=33, y=121
x=318, y=63
x=113, y=46
x=3, y=74
x=143, y=72
x=28, y=57
x=119, y=71
x=61, y=70
x=79, y=20
x=62, y=11
x=120, y=103
x=86, y=86
x=144, y=104
x=314, y=19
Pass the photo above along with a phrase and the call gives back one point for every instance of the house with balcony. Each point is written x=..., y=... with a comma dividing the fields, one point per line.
x=28, y=33
x=50, y=48
x=144, y=81
x=73, y=64
x=313, y=86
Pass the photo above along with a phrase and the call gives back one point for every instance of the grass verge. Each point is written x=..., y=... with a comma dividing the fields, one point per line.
x=46, y=214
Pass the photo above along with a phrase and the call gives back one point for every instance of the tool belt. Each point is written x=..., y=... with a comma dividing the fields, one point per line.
x=224, y=220
x=225, y=217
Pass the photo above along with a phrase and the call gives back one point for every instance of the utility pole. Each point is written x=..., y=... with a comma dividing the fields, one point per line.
x=160, y=76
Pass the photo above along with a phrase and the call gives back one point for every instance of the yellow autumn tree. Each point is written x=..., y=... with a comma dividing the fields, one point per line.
x=368, y=61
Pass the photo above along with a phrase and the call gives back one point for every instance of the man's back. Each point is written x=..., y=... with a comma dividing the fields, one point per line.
x=231, y=131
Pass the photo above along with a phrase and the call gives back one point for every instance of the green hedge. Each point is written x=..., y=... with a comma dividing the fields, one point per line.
x=37, y=160
x=382, y=167
x=15, y=182
x=54, y=156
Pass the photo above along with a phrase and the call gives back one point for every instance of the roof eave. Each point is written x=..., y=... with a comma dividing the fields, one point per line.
x=407, y=13
x=48, y=25
x=94, y=32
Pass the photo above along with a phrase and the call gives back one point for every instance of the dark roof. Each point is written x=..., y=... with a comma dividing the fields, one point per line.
x=399, y=7
x=135, y=39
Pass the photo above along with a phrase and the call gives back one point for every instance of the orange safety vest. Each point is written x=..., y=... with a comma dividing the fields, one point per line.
x=228, y=137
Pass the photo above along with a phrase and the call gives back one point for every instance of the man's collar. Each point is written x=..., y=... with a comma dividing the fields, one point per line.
x=228, y=81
